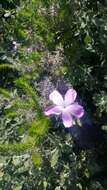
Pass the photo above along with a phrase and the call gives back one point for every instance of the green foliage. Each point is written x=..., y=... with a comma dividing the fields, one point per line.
x=36, y=159
x=36, y=129
x=81, y=28
x=17, y=146
x=25, y=86
x=5, y=92
x=39, y=127
x=4, y=66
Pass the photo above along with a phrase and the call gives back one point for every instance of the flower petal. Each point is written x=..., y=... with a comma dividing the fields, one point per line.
x=54, y=110
x=76, y=110
x=70, y=96
x=56, y=97
x=67, y=119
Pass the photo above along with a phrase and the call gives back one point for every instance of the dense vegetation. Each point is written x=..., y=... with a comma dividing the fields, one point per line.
x=48, y=44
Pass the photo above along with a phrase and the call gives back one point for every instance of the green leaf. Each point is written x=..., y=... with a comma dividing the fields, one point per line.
x=79, y=186
x=22, y=83
x=104, y=127
x=11, y=114
x=5, y=92
x=54, y=158
x=6, y=66
x=27, y=144
x=39, y=127
x=7, y=14
x=88, y=39
x=36, y=159
x=19, y=187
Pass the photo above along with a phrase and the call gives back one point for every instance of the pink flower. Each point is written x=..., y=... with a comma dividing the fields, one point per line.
x=66, y=106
